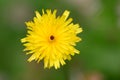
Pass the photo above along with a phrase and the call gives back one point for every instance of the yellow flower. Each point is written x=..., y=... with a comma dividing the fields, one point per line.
x=51, y=39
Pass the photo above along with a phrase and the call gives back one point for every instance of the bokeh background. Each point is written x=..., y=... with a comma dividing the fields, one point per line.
x=100, y=46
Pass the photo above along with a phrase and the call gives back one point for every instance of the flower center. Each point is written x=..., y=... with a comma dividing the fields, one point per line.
x=52, y=37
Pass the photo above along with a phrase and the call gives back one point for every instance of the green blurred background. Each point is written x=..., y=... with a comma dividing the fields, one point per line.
x=100, y=46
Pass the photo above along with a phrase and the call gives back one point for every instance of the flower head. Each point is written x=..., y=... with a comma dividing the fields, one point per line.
x=51, y=39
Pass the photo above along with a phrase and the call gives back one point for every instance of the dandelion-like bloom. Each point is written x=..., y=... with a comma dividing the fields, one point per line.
x=51, y=39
